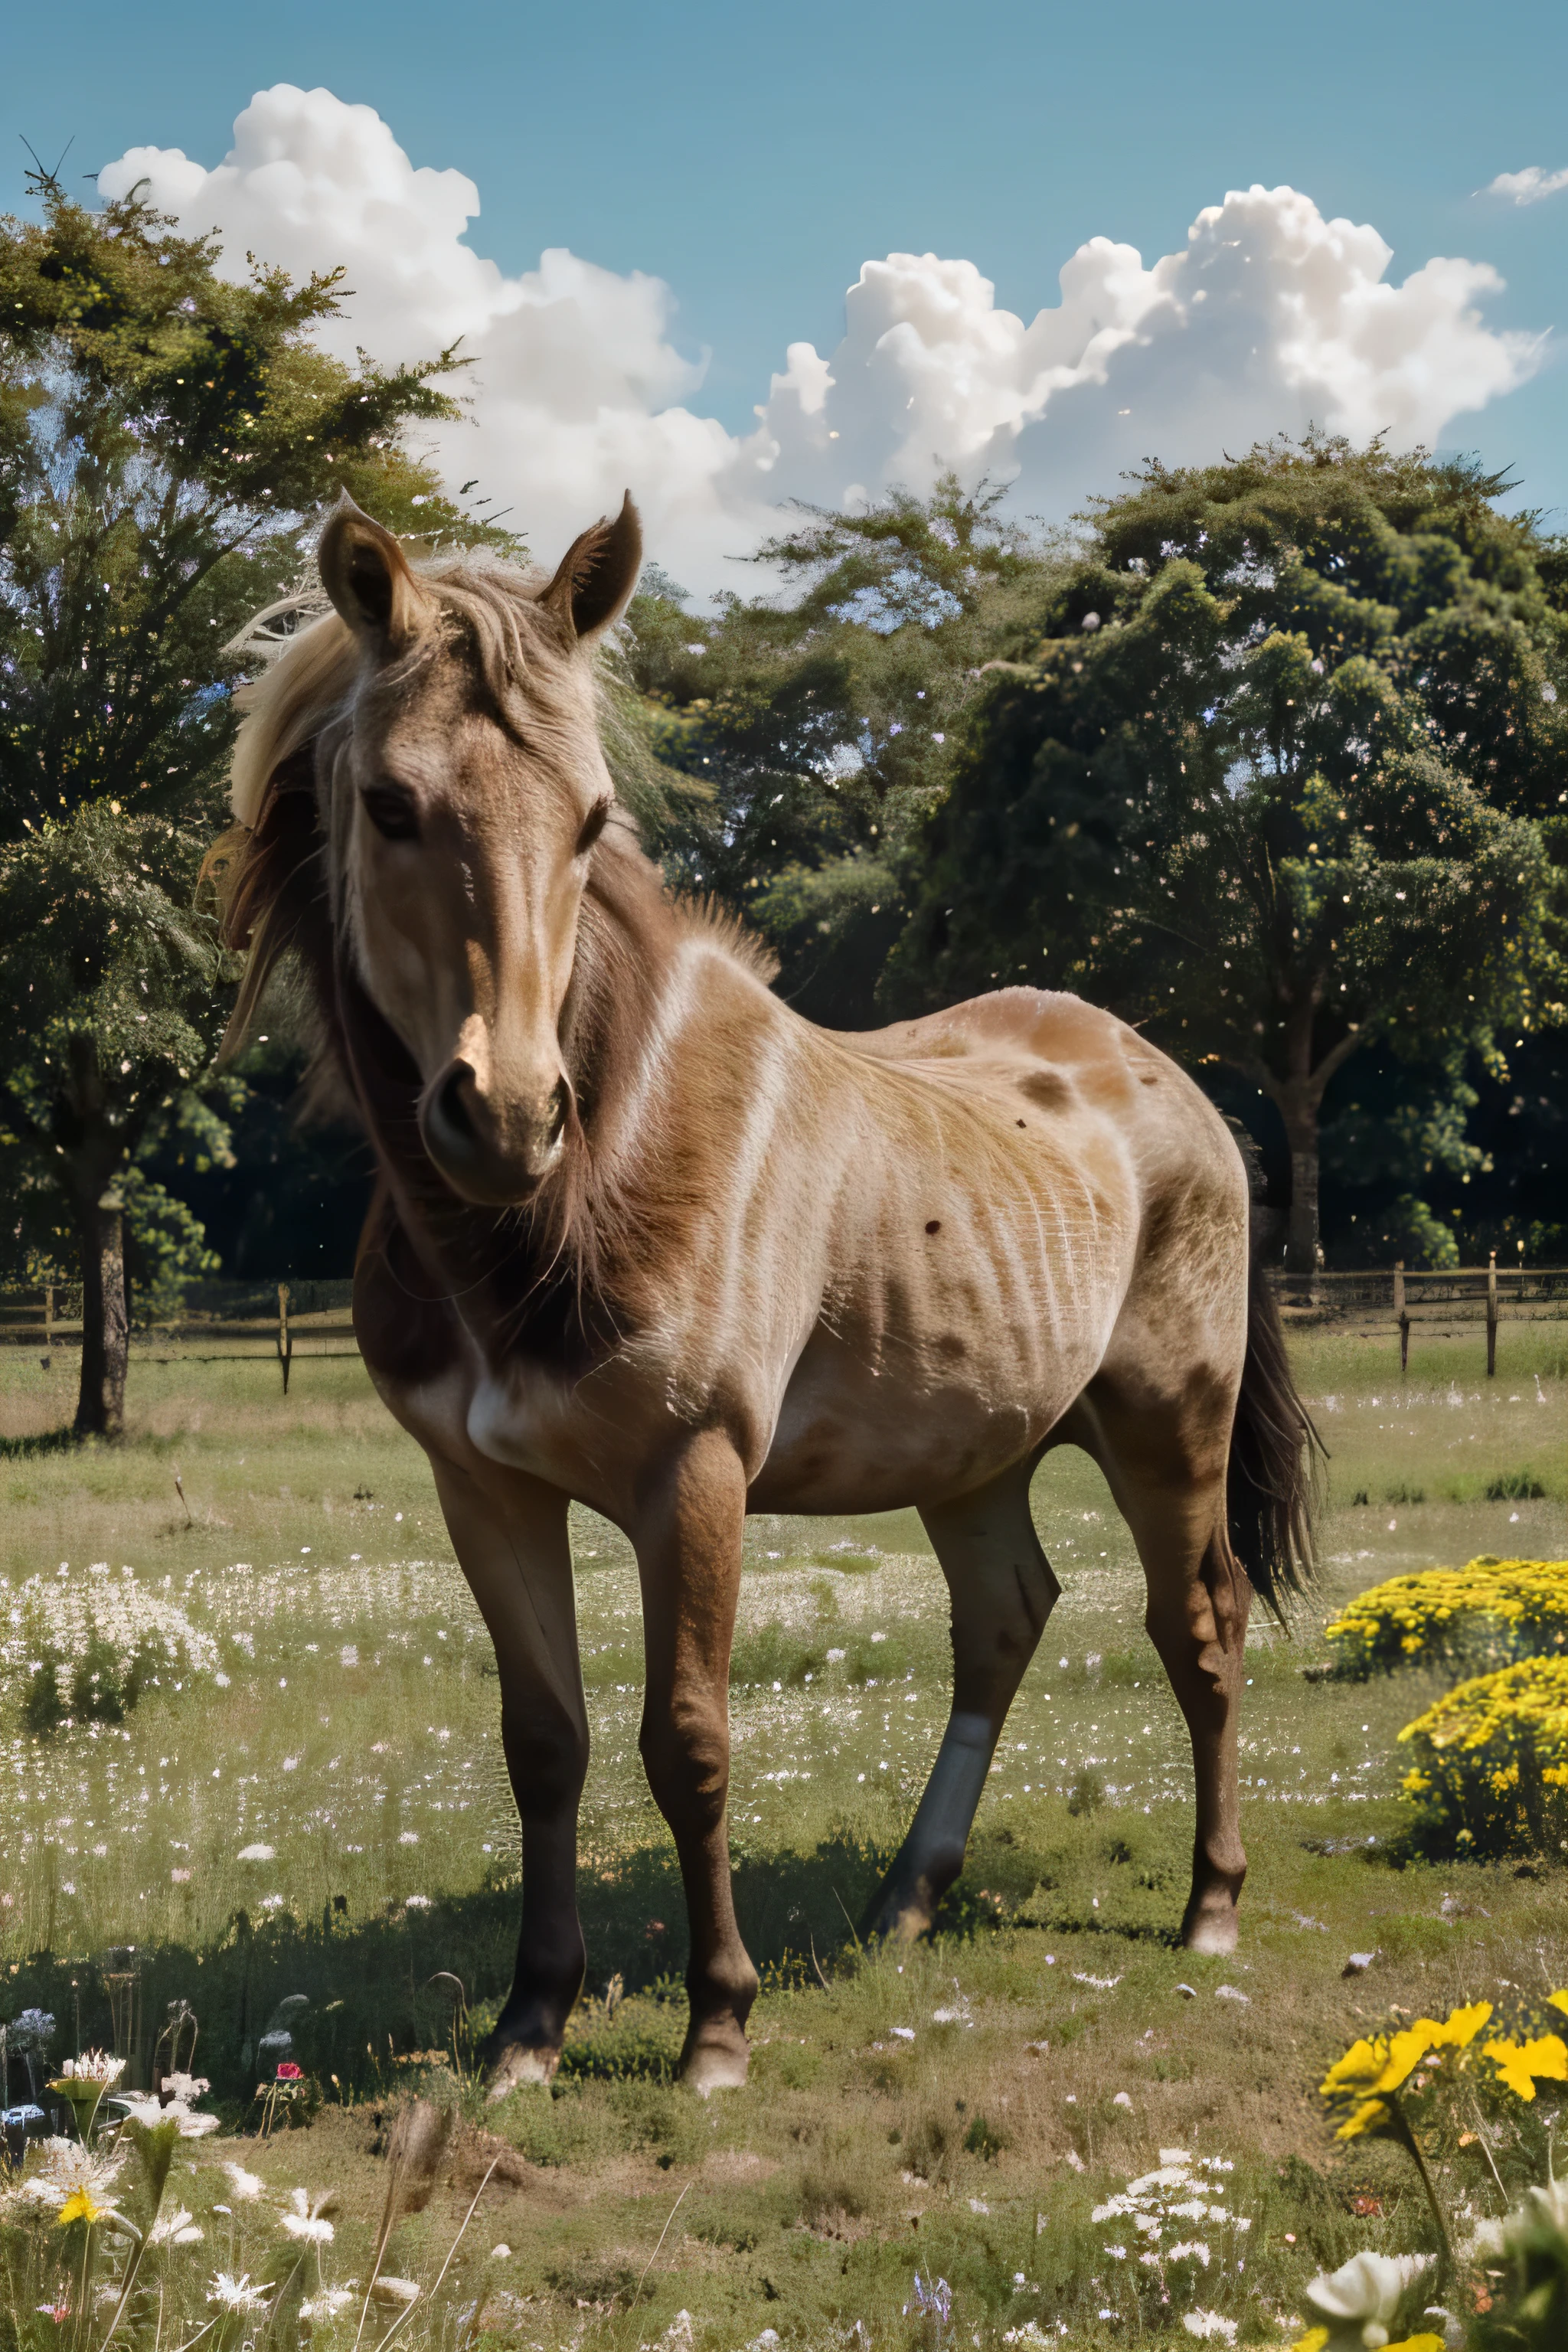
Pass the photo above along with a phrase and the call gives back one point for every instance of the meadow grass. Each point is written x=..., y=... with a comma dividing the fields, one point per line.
x=961, y=2107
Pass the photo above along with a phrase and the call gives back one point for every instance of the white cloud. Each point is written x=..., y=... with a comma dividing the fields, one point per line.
x=1271, y=318
x=1527, y=187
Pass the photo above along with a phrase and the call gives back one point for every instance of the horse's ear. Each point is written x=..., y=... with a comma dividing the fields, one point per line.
x=365, y=573
x=598, y=571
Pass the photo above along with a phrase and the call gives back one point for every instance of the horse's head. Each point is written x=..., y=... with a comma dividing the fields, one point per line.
x=467, y=791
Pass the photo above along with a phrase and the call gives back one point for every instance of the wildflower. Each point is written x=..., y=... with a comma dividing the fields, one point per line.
x=1362, y=2300
x=65, y=2173
x=288, y=2072
x=1520, y=2064
x=236, y=2293
x=925, y=2298
x=244, y=2185
x=80, y=2207
x=1208, y=2324
x=92, y=2066
x=177, y=2229
x=1371, y=2069
x=142, y=2108
x=327, y=2304
x=308, y=2221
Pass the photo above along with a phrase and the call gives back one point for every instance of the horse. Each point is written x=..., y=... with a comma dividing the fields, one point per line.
x=644, y=1238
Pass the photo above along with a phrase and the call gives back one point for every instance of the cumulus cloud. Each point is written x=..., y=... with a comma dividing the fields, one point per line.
x=1527, y=187
x=1271, y=318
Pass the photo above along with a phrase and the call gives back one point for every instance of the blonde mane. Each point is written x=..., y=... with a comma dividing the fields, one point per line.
x=273, y=874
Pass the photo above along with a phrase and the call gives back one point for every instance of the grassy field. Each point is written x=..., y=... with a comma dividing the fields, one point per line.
x=323, y=1702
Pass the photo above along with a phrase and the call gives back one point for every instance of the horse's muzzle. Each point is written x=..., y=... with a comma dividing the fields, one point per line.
x=492, y=1155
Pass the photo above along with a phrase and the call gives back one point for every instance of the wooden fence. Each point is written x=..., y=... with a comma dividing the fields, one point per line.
x=279, y=1321
x=283, y=1320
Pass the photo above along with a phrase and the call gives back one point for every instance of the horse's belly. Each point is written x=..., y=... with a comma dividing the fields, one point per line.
x=848, y=1439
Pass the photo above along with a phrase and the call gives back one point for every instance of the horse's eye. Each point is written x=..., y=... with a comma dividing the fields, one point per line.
x=393, y=811
x=593, y=825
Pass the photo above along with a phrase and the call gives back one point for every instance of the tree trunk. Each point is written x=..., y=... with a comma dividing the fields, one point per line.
x=105, y=1331
x=1298, y=1109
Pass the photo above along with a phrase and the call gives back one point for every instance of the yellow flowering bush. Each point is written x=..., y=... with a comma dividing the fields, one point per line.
x=1487, y=1614
x=1489, y=1759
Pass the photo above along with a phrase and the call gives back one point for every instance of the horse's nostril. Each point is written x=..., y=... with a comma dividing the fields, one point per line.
x=454, y=1109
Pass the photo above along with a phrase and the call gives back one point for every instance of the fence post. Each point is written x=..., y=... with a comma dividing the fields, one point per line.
x=1491, y=1316
x=49, y=1324
x=285, y=1337
x=1401, y=1316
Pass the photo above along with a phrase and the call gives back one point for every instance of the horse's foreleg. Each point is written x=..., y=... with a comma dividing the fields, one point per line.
x=513, y=1549
x=1003, y=1591
x=689, y=1553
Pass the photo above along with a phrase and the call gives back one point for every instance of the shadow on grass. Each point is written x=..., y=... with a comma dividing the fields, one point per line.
x=372, y=1992
x=47, y=1441
x=379, y=1992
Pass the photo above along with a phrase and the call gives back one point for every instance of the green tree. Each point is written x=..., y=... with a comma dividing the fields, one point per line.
x=1283, y=776
x=816, y=730
x=166, y=436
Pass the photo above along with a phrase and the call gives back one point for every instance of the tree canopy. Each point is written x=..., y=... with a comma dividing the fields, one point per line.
x=815, y=727
x=166, y=437
x=1281, y=777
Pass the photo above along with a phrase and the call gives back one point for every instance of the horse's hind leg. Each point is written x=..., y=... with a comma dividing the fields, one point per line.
x=517, y=1557
x=1167, y=1467
x=1003, y=1590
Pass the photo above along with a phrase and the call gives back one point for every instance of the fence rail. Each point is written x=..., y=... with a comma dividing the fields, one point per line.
x=313, y=1318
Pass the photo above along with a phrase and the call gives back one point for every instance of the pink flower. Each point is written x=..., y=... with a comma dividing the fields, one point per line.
x=289, y=2073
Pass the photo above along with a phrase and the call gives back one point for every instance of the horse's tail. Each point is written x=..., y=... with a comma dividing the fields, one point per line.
x=1271, y=1486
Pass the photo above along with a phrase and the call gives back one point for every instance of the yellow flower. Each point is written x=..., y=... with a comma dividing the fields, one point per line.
x=80, y=2206
x=1461, y=2026
x=1367, y=2118
x=1357, y=2070
x=1314, y=2341
x=1406, y=2051
x=1558, y=1999
x=1519, y=2063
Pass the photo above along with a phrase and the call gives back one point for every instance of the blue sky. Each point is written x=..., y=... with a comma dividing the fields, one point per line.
x=754, y=158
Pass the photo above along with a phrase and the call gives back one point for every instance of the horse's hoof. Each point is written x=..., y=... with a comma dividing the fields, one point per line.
x=902, y=1919
x=517, y=2068
x=711, y=2066
x=1213, y=1929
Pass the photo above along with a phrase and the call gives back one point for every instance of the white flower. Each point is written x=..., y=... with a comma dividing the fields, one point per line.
x=1207, y=2324
x=64, y=2168
x=1191, y=2248
x=236, y=2293
x=245, y=2186
x=257, y=1854
x=177, y=2229
x=142, y=2108
x=93, y=2067
x=1361, y=2300
x=327, y=2304
x=303, y=2222
x=1553, y=2202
